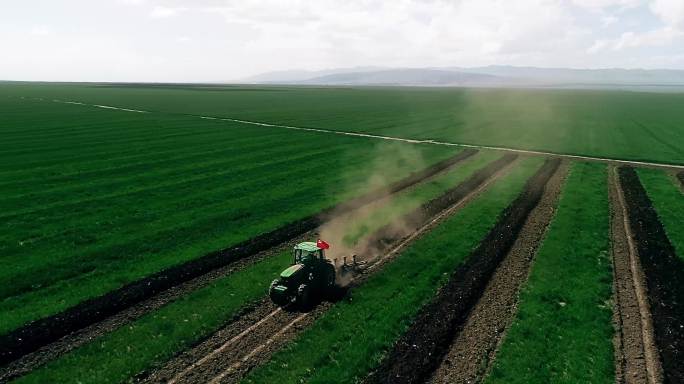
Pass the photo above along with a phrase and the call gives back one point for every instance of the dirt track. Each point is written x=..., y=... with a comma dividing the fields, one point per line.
x=664, y=272
x=474, y=349
x=236, y=349
x=636, y=354
x=58, y=334
x=222, y=358
x=419, y=352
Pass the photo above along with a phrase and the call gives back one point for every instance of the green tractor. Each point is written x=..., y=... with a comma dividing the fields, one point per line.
x=310, y=276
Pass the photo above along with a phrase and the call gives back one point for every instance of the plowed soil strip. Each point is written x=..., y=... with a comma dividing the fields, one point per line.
x=474, y=348
x=664, y=274
x=419, y=352
x=637, y=358
x=235, y=350
x=96, y=317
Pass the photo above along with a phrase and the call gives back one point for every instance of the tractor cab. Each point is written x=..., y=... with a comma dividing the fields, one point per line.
x=307, y=252
x=310, y=275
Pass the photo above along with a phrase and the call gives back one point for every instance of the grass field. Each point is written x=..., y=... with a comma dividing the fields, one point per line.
x=352, y=337
x=628, y=125
x=668, y=201
x=563, y=329
x=157, y=336
x=93, y=199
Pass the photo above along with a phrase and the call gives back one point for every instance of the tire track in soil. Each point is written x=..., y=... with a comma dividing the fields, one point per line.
x=663, y=271
x=23, y=363
x=419, y=352
x=636, y=355
x=473, y=351
x=222, y=358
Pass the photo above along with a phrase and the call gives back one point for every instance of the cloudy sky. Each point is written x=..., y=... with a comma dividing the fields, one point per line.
x=220, y=40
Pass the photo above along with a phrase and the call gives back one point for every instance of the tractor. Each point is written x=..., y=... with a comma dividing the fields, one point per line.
x=310, y=276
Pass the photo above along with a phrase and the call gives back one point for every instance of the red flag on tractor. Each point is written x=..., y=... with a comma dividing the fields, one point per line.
x=322, y=244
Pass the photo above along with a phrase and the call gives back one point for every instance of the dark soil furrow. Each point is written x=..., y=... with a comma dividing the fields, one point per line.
x=419, y=352
x=474, y=349
x=664, y=273
x=204, y=363
x=635, y=352
x=44, y=331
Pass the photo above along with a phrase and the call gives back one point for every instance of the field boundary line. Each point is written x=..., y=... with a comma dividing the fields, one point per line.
x=406, y=140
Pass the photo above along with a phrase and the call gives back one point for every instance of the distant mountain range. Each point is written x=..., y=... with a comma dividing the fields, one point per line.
x=489, y=76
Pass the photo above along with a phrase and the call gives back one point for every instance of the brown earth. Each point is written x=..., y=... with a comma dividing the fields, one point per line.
x=475, y=347
x=228, y=355
x=233, y=351
x=422, y=348
x=664, y=272
x=636, y=355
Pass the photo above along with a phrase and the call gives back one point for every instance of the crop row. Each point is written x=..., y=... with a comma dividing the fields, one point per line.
x=563, y=330
x=159, y=335
x=350, y=339
x=74, y=233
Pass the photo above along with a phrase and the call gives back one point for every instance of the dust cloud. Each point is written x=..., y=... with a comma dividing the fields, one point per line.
x=355, y=233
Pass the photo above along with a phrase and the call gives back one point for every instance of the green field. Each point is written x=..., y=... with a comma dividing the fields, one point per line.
x=159, y=335
x=615, y=124
x=668, y=202
x=563, y=330
x=93, y=198
x=351, y=338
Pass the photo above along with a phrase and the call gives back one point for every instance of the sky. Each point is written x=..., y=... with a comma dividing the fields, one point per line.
x=225, y=40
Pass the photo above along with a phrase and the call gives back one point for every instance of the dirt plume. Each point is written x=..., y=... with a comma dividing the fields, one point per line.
x=346, y=232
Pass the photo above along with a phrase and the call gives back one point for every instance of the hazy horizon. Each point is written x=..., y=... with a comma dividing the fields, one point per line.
x=223, y=41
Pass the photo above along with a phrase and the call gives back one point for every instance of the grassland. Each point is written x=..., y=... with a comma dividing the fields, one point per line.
x=668, y=202
x=563, y=330
x=351, y=338
x=626, y=125
x=93, y=198
x=159, y=335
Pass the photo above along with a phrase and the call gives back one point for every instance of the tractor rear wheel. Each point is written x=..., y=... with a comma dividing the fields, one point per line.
x=329, y=280
x=303, y=296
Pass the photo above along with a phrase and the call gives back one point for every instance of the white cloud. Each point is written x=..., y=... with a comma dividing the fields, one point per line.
x=230, y=39
x=670, y=11
x=41, y=30
x=630, y=40
x=161, y=12
x=609, y=20
x=601, y=4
